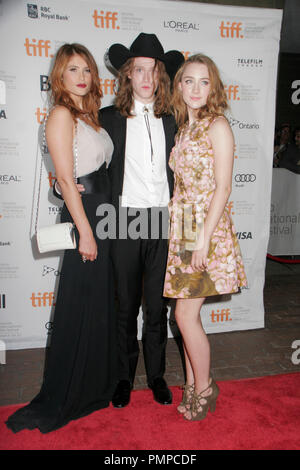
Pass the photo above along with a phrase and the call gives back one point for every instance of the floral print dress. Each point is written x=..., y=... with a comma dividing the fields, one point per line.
x=192, y=161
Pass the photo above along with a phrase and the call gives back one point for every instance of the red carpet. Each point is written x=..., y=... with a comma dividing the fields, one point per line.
x=260, y=413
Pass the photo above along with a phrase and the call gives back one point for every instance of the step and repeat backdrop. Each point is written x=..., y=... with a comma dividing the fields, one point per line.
x=242, y=41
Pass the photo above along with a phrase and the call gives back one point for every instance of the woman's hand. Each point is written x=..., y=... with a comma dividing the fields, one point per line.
x=199, y=259
x=88, y=247
x=80, y=188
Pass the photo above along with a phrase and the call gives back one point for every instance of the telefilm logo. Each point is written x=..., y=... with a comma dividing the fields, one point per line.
x=249, y=63
x=181, y=26
x=233, y=122
x=45, y=12
x=105, y=19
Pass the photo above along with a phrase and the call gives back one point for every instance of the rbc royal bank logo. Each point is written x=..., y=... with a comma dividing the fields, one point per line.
x=32, y=10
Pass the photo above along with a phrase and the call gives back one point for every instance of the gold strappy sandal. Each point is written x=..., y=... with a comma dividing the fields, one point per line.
x=199, y=408
x=188, y=392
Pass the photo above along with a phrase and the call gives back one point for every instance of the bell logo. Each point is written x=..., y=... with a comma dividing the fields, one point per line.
x=40, y=115
x=105, y=20
x=231, y=30
x=45, y=299
x=107, y=86
x=220, y=316
x=38, y=48
x=232, y=92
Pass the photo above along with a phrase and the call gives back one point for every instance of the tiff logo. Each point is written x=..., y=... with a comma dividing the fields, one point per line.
x=40, y=48
x=232, y=92
x=107, y=21
x=40, y=115
x=107, y=86
x=220, y=316
x=45, y=299
x=231, y=30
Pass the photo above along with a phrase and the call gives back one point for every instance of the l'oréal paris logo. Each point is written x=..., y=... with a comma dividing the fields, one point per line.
x=181, y=26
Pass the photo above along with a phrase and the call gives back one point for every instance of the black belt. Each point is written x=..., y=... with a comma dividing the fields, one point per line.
x=94, y=182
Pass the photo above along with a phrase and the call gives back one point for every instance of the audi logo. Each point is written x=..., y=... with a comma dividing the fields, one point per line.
x=245, y=178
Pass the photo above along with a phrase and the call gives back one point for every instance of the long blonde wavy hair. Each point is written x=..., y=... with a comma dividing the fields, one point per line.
x=124, y=98
x=60, y=96
x=216, y=103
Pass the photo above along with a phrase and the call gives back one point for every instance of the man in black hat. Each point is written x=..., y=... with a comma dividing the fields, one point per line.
x=142, y=130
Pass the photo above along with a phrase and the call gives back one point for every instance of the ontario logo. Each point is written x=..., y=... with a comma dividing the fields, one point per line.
x=242, y=125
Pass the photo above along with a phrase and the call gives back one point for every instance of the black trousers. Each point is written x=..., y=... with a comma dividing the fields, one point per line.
x=139, y=269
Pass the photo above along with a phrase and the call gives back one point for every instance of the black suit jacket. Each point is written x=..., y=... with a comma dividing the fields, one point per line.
x=115, y=125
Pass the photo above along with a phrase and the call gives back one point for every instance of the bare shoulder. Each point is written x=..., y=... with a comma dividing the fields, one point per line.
x=61, y=116
x=220, y=128
x=220, y=123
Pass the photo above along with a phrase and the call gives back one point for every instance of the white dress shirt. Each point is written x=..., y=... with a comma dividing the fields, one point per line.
x=145, y=179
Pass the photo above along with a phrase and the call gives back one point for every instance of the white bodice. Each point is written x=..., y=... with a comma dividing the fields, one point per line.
x=93, y=148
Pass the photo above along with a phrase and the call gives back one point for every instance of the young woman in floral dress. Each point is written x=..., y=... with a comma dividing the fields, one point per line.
x=204, y=255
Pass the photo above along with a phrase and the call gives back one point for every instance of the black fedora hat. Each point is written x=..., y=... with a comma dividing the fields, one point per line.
x=145, y=45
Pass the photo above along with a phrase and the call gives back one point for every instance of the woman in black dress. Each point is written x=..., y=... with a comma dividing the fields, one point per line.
x=80, y=366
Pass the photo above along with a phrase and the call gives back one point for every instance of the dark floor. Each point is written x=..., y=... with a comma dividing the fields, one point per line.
x=235, y=355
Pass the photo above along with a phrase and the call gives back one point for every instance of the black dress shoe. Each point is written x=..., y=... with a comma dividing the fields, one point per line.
x=121, y=396
x=160, y=390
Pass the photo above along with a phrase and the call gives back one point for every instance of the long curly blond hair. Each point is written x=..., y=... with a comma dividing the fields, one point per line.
x=60, y=96
x=216, y=103
x=124, y=98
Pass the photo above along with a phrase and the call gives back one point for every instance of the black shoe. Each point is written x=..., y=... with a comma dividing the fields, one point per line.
x=160, y=390
x=121, y=396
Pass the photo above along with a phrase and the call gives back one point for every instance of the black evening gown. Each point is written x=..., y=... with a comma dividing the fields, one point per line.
x=80, y=366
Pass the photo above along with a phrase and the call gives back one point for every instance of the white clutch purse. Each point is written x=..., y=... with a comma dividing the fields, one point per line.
x=58, y=236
